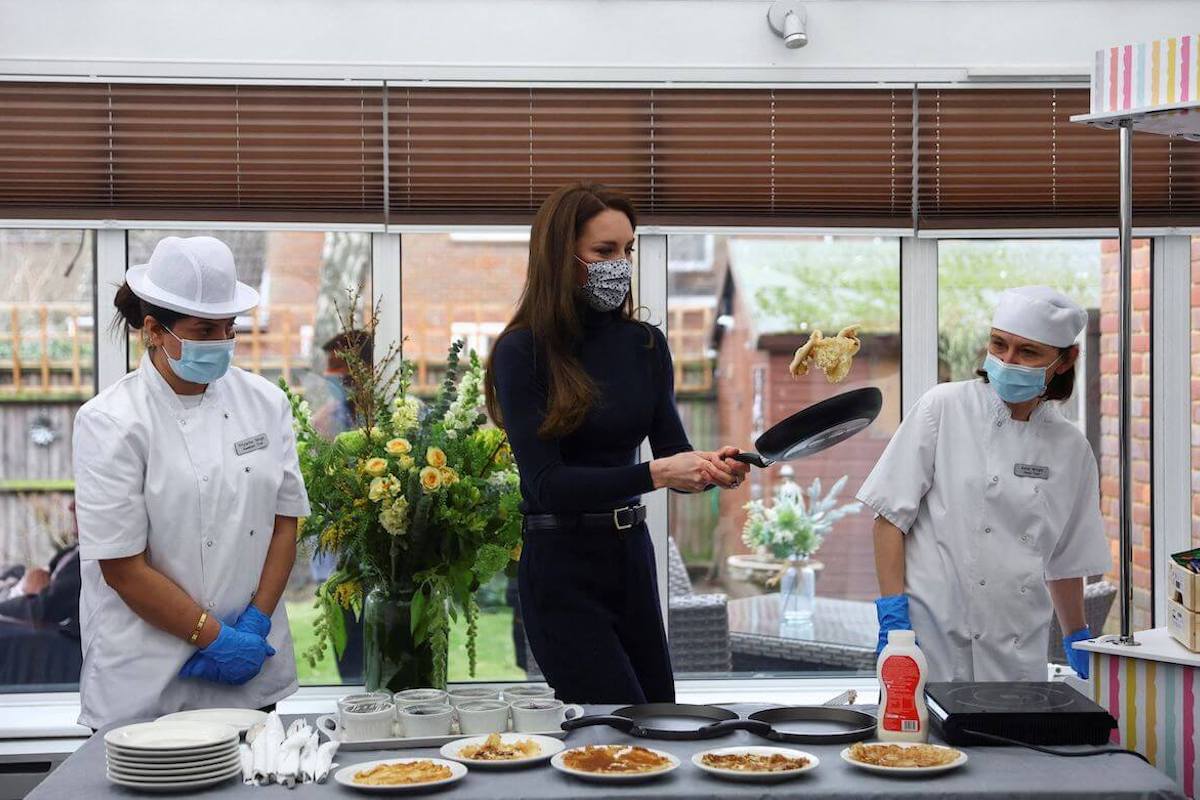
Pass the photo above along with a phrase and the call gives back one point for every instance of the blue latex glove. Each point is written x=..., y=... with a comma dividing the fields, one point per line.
x=254, y=621
x=1079, y=660
x=893, y=616
x=233, y=658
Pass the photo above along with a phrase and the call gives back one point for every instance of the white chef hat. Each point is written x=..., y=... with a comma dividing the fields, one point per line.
x=194, y=276
x=1040, y=313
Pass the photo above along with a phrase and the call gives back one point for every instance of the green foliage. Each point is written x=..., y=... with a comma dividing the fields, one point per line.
x=416, y=498
x=790, y=526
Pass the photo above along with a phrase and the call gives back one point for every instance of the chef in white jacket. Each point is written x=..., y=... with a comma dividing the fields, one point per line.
x=987, y=503
x=187, y=490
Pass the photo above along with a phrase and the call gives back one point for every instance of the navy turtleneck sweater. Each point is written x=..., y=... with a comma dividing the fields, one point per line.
x=596, y=467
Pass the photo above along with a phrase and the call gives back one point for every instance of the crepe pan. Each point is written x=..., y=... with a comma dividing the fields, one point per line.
x=815, y=428
x=668, y=721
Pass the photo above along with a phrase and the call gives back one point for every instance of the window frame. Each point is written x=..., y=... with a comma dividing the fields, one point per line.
x=1171, y=367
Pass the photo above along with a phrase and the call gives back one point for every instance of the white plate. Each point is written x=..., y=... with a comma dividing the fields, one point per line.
x=128, y=761
x=894, y=771
x=240, y=719
x=171, y=736
x=178, y=773
x=756, y=777
x=614, y=777
x=453, y=750
x=175, y=786
x=345, y=775
x=198, y=775
x=156, y=756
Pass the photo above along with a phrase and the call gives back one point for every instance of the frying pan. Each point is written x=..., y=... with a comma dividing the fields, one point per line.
x=802, y=725
x=815, y=428
x=670, y=721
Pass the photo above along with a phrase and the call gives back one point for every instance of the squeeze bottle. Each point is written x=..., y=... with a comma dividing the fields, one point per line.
x=901, y=668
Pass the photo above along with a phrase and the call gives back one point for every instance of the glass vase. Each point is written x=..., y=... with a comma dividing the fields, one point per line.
x=797, y=593
x=392, y=661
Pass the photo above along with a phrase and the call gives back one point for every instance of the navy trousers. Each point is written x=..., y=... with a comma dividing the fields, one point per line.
x=591, y=608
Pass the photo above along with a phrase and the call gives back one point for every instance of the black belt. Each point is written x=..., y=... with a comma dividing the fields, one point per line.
x=618, y=520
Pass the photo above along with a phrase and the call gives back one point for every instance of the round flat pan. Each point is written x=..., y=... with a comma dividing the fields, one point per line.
x=802, y=725
x=668, y=721
x=820, y=426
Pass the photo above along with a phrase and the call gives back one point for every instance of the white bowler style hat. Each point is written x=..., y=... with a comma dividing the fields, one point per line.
x=1041, y=314
x=193, y=276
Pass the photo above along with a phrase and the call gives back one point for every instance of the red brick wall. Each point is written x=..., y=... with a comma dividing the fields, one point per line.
x=1195, y=345
x=1140, y=418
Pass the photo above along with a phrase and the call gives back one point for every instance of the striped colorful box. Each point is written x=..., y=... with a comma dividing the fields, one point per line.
x=1155, y=704
x=1148, y=76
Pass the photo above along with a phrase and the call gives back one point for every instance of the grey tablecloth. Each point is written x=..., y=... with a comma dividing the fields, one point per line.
x=991, y=773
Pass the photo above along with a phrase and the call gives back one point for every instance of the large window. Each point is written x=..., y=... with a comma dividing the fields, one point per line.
x=47, y=352
x=738, y=306
x=971, y=276
x=464, y=286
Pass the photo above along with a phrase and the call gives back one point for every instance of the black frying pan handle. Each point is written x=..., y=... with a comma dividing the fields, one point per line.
x=754, y=726
x=623, y=724
x=753, y=459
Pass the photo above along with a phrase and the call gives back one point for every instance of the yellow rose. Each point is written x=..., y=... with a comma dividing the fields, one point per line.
x=434, y=457
x=431, y=479
x=516, y=552
x=449, y=476
x=398, y=447
x=406, y=462
x=375, y=466
x=379, y=489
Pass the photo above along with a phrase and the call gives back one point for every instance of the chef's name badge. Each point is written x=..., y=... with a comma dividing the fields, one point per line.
x=250, y=445
x=1031, y=471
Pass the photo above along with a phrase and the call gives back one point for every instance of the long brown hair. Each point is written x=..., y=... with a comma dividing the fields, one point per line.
x=548, y=307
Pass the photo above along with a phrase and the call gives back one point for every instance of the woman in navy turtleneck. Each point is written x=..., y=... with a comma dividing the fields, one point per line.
x=578, y=384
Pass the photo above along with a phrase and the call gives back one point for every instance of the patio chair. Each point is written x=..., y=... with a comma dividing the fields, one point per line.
x=1097, y=602
x=697, y=624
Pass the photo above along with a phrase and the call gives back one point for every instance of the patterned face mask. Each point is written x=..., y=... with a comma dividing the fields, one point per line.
x=607, y=283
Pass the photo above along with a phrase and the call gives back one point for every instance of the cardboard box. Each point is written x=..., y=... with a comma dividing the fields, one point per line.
x=1183, y=587
x=1184, y=626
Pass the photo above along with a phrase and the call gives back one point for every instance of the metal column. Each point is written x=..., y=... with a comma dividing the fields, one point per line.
x=1125, y=283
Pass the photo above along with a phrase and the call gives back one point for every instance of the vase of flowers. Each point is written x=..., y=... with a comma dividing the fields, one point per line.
x=418, y=504
x=791, y=529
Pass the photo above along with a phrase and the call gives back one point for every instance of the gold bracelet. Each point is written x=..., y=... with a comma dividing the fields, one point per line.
x=199, y=627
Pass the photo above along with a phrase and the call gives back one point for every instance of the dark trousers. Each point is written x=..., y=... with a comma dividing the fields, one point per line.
x=592, y=615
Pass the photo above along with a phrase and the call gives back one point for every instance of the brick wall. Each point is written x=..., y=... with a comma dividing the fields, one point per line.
x=1140, y=418
x=1195, y=350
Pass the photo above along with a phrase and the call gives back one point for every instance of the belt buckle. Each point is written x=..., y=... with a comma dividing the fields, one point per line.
x=617, y=518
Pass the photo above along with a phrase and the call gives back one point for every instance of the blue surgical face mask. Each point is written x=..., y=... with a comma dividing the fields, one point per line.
x=1014, y=383
x=201, y=362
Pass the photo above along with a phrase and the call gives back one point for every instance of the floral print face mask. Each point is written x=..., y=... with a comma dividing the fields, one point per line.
x=607, y=283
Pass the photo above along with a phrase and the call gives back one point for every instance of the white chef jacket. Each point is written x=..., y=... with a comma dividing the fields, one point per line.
x=992, y=508
x=198, y=490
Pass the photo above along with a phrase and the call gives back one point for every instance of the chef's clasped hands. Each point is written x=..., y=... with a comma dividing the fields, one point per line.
x=237, y=654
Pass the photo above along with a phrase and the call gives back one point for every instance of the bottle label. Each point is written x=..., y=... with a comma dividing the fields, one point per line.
x=900, y=676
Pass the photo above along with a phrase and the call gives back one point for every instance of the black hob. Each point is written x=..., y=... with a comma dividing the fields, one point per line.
x=1033, y=713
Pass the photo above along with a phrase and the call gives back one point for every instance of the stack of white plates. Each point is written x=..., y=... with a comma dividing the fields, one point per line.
x=172, y=756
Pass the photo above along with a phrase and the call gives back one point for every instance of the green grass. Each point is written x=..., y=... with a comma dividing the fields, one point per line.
x=38, y=485
x=494, y=646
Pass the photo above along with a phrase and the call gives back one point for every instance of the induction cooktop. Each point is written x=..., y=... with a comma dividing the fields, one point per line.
x=1030, y=713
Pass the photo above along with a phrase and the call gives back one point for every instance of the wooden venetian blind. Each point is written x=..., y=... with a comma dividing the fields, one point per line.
x=800, y=157
x=997, y=158
x=682, y=155
x=180, y=152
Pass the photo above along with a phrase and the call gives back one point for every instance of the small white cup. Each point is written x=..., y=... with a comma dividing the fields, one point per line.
x=482, y=716
x=426, y=719
x=466, y=694
x=363, y=717
x=412, y=697
x=525, y=691
x=541, y=714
